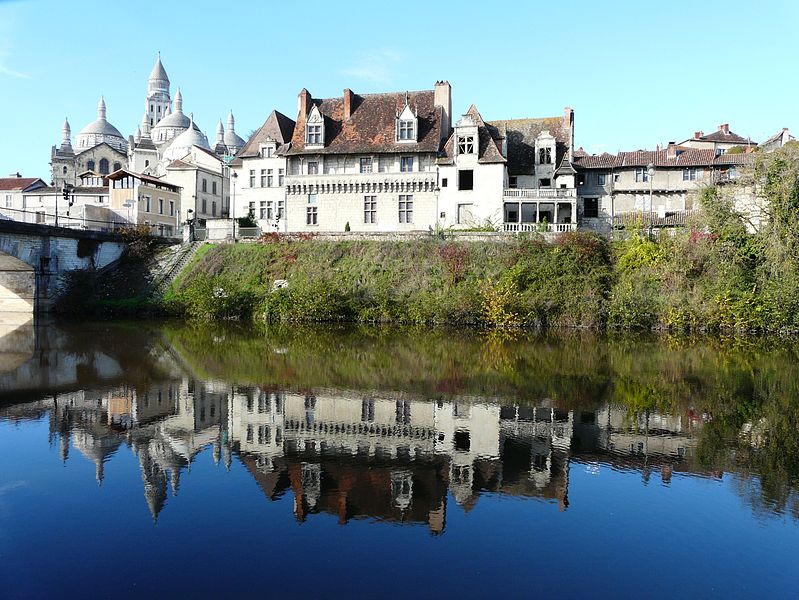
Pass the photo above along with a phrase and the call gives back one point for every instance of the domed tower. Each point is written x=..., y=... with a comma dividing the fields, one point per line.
x=172, y=125
x=232, y=140
x=158, y=100
x=62, y=159
x=101, y=131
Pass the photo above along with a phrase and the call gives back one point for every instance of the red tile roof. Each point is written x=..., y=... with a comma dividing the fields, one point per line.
x=372, y=124
x=685, y=157
x=13, y=184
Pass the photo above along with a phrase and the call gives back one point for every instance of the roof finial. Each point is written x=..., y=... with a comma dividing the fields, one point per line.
x=101, y=109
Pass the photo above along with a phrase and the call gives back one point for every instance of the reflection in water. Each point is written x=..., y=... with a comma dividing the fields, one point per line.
x=249, y=445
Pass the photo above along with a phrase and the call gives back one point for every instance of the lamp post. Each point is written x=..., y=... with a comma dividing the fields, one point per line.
x=234, y=176
x=650, y=169
x=190, y=223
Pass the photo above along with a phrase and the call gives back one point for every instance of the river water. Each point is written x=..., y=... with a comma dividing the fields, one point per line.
x=150, y=458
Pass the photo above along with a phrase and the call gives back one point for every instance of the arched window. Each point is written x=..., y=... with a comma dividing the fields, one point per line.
x=104, y=166
x=90, y=165
x=117, y=166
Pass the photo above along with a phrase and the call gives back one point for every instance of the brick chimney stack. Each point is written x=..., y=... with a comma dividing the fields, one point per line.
x=671, y=151
x=443, y=98
x=349, y=100
x=698, y=134
x=725, y=128
x=303, y=104
x=568, y=122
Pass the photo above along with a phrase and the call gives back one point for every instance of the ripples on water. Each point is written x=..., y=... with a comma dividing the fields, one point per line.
x=405, y=428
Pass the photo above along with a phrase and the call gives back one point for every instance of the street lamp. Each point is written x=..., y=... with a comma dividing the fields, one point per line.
x=190, y=223
x=234, y=176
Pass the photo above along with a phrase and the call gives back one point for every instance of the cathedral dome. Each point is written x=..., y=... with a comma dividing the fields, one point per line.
x=183, y=143
x=101, y=131
x=173, y=124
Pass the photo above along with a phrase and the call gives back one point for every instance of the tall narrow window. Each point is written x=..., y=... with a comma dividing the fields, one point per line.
x=311, y=215
x=281, y=174
x=406, y=209
x=252, y=177
x=205, y=185
x=370, y=209
x=269, y=178
x=263, y=177
x=160, y=206
x=104, y=166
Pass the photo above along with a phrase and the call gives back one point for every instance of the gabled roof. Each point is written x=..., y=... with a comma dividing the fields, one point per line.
x=278, y=127
x=20, y=184
x=489, y=146
x=94, y=148
x=521, y=135
x=683, y=157
x=371, y=127
x=727, y=137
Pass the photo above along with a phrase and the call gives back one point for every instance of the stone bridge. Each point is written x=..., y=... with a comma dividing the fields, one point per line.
x=33, y=257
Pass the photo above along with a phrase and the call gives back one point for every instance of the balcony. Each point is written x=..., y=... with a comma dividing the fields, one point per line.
x=540, y=194
x=360, y=183
x=538, y=227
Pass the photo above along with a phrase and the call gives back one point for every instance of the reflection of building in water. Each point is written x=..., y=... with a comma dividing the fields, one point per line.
x=355, y=455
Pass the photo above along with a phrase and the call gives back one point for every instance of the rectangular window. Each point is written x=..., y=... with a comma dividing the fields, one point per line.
x=513, y=182
x=406, y=130
x=366, y=165
x=263, y=177
x=600, y=179
x=545, y=156
x=269, y=211
x=311, y=216
x=213, y=208
x=406, y=164
x=406, y=209
x=313, y=167
x=544, y=183
x=314, y=135
x=511, y=212
x=591, y=208
x=262, y=214
x=8, y=200
x=252, y=177
x=370, y=209
x=466, y=179
x=213, y=188
x=147, y=204
x=529, y=211
x=641, y=174
x=443, y=182
x=160, y=206
x=205, y=185
x=281, y=208
x=251, y=210
x=466, y=144
x=280, y=176
x=171, y=208
x=205, y=206
x=690, y=174
x=615, y=178
x=269, y=178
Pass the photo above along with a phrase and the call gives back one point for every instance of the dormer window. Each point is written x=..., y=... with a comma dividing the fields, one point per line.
x=314, y=135
x=407, y=130
x=406, y=124
x=545, y=156
x=314, y=129
x=466, y=144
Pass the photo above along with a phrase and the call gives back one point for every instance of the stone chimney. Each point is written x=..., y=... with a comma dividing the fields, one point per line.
x=698, y=134
x=568, y=122
x=303, y=104
x=443, y=98
x=671, y=151
x=725, y=128
x=349, y=101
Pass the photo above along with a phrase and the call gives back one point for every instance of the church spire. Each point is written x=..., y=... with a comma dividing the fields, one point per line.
x=66, y=135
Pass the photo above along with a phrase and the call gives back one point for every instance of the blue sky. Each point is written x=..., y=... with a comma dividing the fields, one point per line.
x=636, y=73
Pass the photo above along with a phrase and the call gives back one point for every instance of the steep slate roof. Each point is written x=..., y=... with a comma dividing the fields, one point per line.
x=686, y=157
x=18, y=184
x=727, y=138
x=371, y=127
x=277, y=126
x=489, y=146
x=521, y=135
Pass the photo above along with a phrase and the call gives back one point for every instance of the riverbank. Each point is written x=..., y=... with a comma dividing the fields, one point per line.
x=713, y=275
